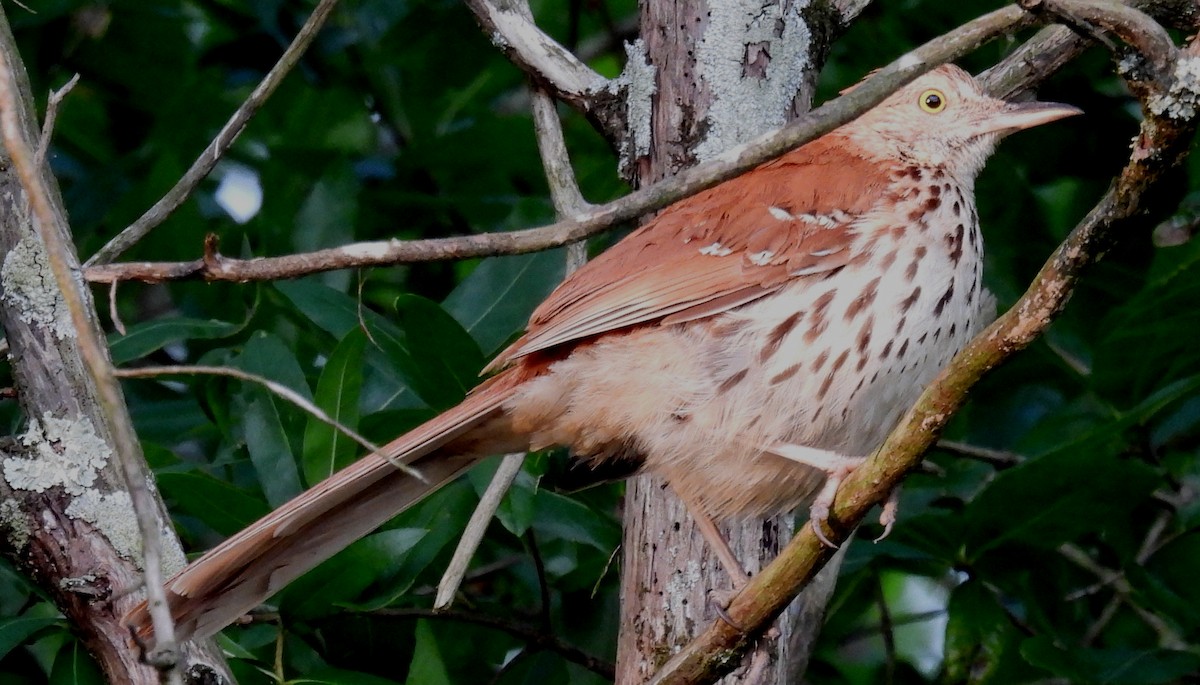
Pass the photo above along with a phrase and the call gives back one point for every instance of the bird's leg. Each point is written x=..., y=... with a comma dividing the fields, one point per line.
x=836, y=467
x=720, y=546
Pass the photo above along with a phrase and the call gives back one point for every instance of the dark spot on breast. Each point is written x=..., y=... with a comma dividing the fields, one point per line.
x=825, y=385
x=864, y=299
x=933, y=203
x=728, y=384
x=903, y=348
x=862, y=364
x=935, y=190
x=956, y=208
x=817, y=320
x=955, y=243
x=907, y=303
x=864, y=334
x=888, y=260
x=921, y=340
x=820, y=360
x=778, y=333
x=785, y=374
x=900, y=324
x=944, y=300
x=837, y=363
x=887, y=350
x=953, y=327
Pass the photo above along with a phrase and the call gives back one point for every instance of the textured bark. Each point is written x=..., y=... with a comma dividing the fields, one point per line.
x=697, y=110
x=65, y=514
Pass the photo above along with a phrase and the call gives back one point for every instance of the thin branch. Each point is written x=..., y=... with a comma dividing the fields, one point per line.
x=212, y=154
x=93, y=351
x=278, y=388
x=817, y=122
x=998, y=459
x=1160, y=147
x=533, y=636
x=1122, y=591
x=113, y=314
x=886, y=631
x=477, y=525
x=568, y=202
x=514, y=33
x=52, y=105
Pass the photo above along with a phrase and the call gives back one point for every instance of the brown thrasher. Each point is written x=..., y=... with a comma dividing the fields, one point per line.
x=745, y=343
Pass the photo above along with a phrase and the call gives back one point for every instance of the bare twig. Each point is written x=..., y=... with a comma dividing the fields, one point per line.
x=568, y=203
x=807, y=127
x=999, y=459
x=1122, y=591
x=278, y=388
x=52, y=105
x=93, y=351
x=112, y=308
x=452, y=578
x=551, y=65
x=886, y=631
x=1160, y=147
x=208, y=159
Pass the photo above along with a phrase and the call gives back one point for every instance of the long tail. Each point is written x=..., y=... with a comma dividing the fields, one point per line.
x=242, y=572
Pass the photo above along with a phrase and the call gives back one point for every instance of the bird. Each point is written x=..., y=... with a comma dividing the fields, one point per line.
x=751, y=344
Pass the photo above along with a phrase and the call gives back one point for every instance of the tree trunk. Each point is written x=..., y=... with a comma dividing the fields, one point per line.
x=65, y=513
x=723, y=72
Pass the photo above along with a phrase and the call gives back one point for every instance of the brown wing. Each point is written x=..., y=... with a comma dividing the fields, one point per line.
x=721, y=248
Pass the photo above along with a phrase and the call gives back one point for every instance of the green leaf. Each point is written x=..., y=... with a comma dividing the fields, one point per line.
x=1110, y=666
x=270, y=448
x=74, y=666
x=388, y=379
x=427, y=667
x=978, y=634
x=434, y=335
x=268, y=356
x=342, y=578
x=327, y=449
x=142, y=339
x=571, y=520
x=535, y=669
x=221, y=506
x=495, y=301
x=1046, y=501
x=14, y=631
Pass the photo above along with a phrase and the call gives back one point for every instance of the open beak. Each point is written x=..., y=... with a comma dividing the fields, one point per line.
x=1016, y=116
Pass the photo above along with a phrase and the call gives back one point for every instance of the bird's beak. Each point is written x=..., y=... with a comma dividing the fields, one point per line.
x=1016, y=116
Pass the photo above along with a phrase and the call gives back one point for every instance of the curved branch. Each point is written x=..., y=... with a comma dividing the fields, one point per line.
x=212, y=154
x=215, y=267
x=550, y=64
x=1161, y=147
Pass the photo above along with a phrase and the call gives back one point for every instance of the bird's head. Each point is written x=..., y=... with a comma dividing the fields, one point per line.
x=943, y=118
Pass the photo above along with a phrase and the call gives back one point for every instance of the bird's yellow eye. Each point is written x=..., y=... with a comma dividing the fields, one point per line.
x=932, y=101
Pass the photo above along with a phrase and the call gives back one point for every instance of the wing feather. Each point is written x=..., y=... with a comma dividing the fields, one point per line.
x=722, y=248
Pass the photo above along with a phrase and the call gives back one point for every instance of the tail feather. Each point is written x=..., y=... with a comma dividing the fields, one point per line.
x=240, y=573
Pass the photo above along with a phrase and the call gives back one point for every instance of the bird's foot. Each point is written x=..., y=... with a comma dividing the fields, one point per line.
x=836, y=467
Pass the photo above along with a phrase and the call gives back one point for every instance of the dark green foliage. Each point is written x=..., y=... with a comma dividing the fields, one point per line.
x=404, y=122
